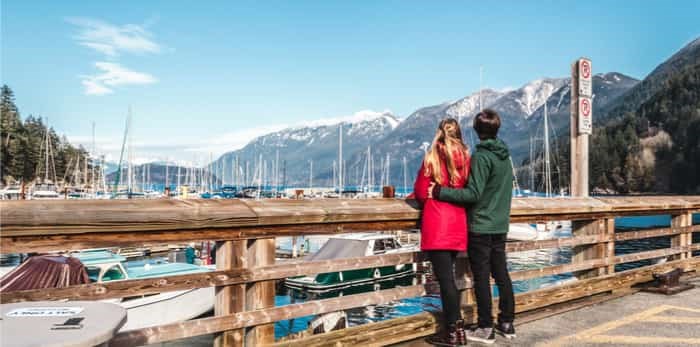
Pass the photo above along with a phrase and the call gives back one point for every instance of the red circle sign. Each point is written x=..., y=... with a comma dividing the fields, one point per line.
x=585, y=107
x=586, y=69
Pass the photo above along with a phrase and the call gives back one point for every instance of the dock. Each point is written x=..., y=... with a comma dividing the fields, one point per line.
x=246, y=268
x=630, y=319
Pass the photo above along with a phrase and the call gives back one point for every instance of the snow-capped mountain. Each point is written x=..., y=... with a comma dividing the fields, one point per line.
x=525, y=100
x=315, y=141
x=606, y=88
x=520, y=110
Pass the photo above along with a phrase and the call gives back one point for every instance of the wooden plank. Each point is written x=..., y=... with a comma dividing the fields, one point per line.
x=260, y=295
x=49, y=243
x=619, y=204
x=658, y=253
x=521, y=246
x=230, y=298
x=524, y=302
x=42, y=217
x=220, y=278
x=47, y=217
x=557, y=269
x=239, y=320
x=648, y=233
x=424, y=324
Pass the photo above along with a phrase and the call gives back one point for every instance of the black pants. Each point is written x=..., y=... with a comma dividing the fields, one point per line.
x=487, y=256
x=443, y=268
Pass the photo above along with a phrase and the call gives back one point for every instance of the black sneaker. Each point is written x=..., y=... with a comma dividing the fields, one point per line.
x=451, y=336
x=483, y=335
x=506, y=329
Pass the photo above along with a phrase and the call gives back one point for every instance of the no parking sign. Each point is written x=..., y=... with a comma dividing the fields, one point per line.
x=585, y=80
x=585, y=115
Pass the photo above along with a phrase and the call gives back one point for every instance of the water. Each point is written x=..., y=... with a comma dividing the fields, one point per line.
x=516, y=262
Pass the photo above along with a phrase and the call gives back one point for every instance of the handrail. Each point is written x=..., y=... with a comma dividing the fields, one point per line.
x=63, y=225
x=43, y=217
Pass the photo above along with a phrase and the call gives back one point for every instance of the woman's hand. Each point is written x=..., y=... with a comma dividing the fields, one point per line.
x=430, y=190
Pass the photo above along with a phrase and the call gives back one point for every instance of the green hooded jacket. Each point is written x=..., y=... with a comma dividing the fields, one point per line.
x=489, y=191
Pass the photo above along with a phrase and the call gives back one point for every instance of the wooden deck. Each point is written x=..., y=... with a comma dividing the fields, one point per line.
x=246, y=269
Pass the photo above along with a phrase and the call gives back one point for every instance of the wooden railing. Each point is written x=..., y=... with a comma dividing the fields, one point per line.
x=246, y=269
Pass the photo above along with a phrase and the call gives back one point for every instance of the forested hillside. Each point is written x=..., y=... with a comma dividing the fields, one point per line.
x=23, y=153
x=653, y=149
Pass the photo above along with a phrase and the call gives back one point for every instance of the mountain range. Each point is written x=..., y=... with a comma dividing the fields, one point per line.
x=384, y=133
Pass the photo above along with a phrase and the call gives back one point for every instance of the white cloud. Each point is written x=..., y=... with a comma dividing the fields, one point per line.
x=112, y=75
x=93, y=87
x=111, y=40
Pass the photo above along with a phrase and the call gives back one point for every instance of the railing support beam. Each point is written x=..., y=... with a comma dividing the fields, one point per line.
x=588, y=252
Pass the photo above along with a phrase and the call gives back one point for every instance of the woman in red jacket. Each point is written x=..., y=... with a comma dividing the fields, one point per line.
x=444, y=225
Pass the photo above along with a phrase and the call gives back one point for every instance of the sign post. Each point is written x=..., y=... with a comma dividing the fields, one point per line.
x=581, y=124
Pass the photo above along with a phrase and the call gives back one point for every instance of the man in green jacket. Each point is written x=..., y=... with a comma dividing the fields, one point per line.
x=487, y=198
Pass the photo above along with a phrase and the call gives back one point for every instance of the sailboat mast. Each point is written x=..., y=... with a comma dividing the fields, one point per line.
x=340, y=158
x=277, y=170
x=311, y=174
x=532, y=166
x=130, y=157
x=388, y=169
x=46, y=172
x=93, y=159
x=370, y=179
x=405, y=176
x=547, y=168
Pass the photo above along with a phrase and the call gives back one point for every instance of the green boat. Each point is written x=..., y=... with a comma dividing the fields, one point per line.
x=351, y=246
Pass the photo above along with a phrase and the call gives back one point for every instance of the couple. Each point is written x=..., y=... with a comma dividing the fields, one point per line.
x=451, y=185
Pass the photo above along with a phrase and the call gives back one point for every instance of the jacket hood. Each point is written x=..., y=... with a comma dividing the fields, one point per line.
x=495, y=146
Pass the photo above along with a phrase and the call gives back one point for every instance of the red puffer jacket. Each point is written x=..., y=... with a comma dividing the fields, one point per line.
x=444, y=225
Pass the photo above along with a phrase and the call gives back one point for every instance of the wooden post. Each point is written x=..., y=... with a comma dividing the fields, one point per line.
x=589, y=252
x=261, y=252
x=230, y=299
x=463, y=273
x=684, y=239
x=610, y=245
x=579, y=142
x=245, y=297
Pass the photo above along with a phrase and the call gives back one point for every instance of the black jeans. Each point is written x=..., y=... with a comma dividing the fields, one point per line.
x=443, y=268
x=487, y=256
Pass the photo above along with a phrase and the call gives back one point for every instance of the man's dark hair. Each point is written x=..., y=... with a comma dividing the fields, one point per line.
x=486, y=124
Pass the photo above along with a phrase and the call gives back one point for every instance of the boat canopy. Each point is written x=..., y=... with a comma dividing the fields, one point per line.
x=45, y=271
x=338, y=248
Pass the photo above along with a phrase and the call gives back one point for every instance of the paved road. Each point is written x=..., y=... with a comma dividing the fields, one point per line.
x=641, y=319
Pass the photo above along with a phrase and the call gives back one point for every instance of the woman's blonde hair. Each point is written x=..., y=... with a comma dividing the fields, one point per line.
x=448, y=143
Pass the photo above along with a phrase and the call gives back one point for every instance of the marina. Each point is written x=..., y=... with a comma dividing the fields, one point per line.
x=349, y=174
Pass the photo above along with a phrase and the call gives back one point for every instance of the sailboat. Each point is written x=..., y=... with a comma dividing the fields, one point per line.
x=46, y=190
x=547, y=230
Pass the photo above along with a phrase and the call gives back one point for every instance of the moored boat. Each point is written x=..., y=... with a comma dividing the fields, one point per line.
x=351, y=246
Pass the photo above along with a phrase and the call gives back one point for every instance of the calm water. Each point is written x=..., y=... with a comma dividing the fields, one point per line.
x=516, y=262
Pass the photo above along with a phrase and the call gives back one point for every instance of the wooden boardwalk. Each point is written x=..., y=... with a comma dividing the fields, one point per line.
x=246, y=268
x=640, y=319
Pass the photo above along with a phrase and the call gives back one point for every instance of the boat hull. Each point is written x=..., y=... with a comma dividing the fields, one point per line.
x=165, y=308
x=333, y=280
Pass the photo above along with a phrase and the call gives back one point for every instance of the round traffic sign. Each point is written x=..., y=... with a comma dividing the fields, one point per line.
x=585, y=107
x=586, y=69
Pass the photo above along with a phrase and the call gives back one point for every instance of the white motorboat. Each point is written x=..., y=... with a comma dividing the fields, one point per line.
x=155, y=309
x=45, y=192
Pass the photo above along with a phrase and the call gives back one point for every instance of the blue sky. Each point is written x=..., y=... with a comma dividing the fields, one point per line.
x=208, y=76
